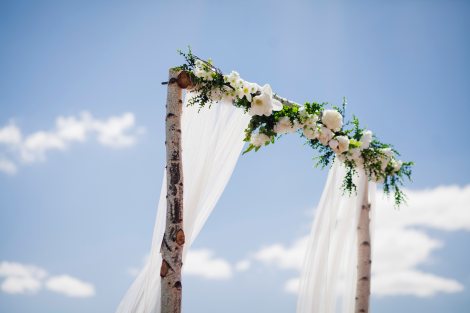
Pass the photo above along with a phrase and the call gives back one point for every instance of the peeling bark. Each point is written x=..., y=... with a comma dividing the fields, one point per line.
x=364, y=257
x=173, y=239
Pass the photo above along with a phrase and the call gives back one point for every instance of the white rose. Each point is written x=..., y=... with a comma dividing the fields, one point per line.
x=366, y=139
x=284, y=126
x=264, y=104
x=325, y=135
x=259, y=139
x=332, y=119
x=308, y=120
x=356, y=156
x=340, y=144
x=386, y=157
x=396, y=165
x=311, y=132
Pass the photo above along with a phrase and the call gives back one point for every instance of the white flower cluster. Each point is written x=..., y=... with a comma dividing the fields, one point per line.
x=259, y=139
x=355, y=154
x=386, y=156
x=323, y=128
x=331, y=121
x=203, y=70
x=261, y=98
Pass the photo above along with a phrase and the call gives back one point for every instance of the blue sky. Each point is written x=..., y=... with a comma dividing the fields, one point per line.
x=82, y=208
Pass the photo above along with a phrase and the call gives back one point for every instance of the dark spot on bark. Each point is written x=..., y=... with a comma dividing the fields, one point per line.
x=177, y=216
x=175, y=155
x=178, y=285
x=164, y=269
x=180, y=238
x=365, y=278
x=174, y=174
x=365, y=243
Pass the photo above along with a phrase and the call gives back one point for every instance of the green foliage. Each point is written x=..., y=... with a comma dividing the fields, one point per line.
x=379, y=159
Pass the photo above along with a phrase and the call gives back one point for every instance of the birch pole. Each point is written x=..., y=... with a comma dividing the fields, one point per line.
x=173, y=239
x=364, y=258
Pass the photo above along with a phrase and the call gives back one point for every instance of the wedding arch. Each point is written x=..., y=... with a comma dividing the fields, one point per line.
x=205, y=134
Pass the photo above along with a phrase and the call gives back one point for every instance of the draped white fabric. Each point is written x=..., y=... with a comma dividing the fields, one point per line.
x=212, y=140
x=328, y=277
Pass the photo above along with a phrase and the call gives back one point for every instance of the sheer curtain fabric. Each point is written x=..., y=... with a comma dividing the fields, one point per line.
x=212, y=140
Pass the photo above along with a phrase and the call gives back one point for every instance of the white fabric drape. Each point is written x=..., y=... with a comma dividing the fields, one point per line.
x=328, y=277
x=212, y=140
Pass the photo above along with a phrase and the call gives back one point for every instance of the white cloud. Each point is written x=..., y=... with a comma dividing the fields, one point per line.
x=202, y=263
x=114, y=132
x=401, y=249
x=283, y=257
x=7, y=166
x=445, y=208
x=70, y=286
x=243, y=265
x=35, y=146
x=19, y=285
x=29, y=279
x=10, y=134
x=413, y=282
x=20, y=279
x=292, y=285
x=399, y=246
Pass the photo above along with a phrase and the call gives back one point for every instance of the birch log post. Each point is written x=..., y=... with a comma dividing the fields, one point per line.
x=173, y=239
x=364, y=258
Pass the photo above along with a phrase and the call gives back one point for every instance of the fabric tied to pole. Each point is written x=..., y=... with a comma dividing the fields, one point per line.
x=328, y=276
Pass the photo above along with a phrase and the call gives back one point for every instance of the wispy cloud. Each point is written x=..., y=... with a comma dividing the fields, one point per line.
x=204, y=264
x=7, y=166
x=29, y=279
x=400, y=247
x=70, y=286
x=114, y=132
x=21, y=279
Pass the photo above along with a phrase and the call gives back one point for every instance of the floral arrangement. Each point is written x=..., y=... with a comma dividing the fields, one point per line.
x=324, y=129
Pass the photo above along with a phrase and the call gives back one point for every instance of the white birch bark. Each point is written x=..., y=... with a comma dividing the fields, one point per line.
x=173, y=239
x=364, y=257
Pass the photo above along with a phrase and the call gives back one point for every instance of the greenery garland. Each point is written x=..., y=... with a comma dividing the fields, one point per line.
x=322, y=128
